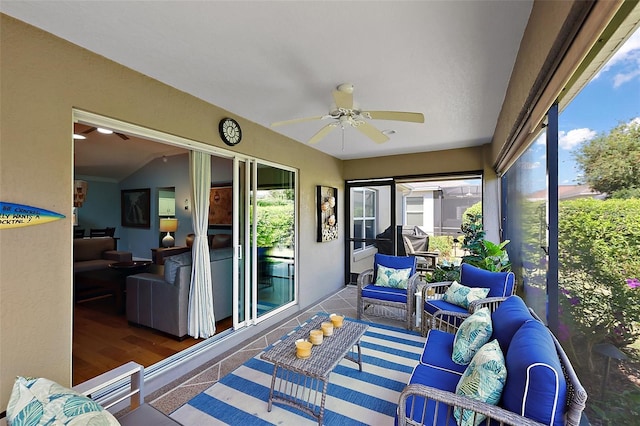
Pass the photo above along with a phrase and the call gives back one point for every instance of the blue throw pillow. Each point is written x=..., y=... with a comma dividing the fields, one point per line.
x=472, y=334
x=536, y=387
x=483, y=380
x=172, y=263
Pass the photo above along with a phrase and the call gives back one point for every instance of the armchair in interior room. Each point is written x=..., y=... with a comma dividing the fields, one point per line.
x=382, y=290
x=451, y=315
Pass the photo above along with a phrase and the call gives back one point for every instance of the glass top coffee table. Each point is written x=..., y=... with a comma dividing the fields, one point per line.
x=300, y=382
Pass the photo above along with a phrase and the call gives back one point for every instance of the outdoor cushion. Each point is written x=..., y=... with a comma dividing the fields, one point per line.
x=508, y=318
x=461, y=295
x=437, y=352
x=36, y=401
x=472, y=334
x=536, y=387
x=500, y=284
x=428, y=376
x=385, y=293
x=396, y=262
x=483, y=380
x=394, y=278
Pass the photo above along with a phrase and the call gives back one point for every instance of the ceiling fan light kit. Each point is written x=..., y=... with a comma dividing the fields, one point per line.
x=346, y=114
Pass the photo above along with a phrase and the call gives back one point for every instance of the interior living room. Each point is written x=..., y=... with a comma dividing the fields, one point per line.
x=265, y=109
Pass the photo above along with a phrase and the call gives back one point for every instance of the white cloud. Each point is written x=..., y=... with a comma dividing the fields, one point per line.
x=626, y=51
x=542, y=139
x=621, y=78
x=572, y=138
x=628, y=55
x=527, y=165
x=634, y=121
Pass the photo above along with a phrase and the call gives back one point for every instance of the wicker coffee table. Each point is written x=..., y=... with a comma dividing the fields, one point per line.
x=300, y=382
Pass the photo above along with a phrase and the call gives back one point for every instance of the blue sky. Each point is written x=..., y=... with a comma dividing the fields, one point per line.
x=611, y=97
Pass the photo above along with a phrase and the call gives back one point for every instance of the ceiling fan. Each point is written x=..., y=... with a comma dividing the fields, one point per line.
x=346, y=114
x=106, y=131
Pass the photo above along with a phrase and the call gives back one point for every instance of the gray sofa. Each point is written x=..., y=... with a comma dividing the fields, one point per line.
x=161, y=302
x=96, y=253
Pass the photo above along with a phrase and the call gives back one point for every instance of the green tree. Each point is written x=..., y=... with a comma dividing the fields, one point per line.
x=610, y=163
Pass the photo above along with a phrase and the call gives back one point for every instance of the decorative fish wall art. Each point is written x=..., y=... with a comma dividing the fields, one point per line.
x=18, y=215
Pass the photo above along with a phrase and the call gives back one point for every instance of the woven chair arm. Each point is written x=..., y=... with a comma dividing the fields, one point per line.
x=418, y=395
x=438, y=288
x=442, y=320
x=365, y=278
x=488, y=302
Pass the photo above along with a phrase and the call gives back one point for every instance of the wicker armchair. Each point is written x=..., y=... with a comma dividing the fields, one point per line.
x=425, y=405
x=386, y=301
x=500, y=284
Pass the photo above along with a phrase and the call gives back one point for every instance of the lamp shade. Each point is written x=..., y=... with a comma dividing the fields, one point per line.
x=168, y=225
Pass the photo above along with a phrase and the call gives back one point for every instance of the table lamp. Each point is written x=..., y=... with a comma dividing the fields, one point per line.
x=168, y=225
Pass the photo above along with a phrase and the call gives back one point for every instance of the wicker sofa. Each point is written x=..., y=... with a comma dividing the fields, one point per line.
x=541, y=386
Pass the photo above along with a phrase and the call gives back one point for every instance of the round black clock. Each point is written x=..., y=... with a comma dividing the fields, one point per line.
x=230, y=131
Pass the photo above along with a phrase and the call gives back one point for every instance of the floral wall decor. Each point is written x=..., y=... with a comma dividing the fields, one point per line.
x=327, y=213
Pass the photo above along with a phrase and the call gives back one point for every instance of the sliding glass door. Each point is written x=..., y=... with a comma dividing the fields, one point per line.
x=267, y=229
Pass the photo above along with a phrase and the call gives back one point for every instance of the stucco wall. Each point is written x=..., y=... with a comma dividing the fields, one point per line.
x=42, y=79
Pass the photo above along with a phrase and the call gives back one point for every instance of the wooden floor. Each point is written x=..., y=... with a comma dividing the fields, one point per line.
x=103, y=340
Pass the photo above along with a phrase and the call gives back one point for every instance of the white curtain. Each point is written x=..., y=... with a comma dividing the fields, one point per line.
x=202, y=321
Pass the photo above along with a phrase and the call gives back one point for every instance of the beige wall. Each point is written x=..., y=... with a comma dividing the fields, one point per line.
x=448, y=161
x=43, y=78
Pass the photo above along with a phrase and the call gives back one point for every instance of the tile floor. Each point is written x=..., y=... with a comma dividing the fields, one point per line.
x=174, y=395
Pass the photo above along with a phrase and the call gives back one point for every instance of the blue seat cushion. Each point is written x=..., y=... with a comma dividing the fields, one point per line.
x=431, y=306
x=429, y=376
x=388, y=294
x=507, y=320
x=535, y=387
x=500, y=284
x=437, y=352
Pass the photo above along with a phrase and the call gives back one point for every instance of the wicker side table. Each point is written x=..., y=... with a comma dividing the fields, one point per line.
x=301, y=382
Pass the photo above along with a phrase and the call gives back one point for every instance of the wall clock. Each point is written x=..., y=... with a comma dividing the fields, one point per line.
x=230, y=131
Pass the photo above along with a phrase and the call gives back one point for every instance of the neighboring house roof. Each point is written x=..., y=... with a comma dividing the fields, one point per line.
x=568, y=192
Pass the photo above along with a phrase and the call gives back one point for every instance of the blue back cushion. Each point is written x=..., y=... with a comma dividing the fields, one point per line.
x=500, y=284
x=535, y=387
x=507, y=319
x=395, y=262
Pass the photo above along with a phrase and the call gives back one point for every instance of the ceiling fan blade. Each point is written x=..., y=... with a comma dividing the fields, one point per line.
x=343, y=99
x=322, y=133
x=370, y=131
x=414, y=117
x=89, y=130
x=299, y=120
x=122, y=136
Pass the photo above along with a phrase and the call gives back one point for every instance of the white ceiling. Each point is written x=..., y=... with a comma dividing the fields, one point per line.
x=269, y=61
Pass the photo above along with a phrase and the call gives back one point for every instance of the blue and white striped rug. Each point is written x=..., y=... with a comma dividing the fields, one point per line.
x=369, y=397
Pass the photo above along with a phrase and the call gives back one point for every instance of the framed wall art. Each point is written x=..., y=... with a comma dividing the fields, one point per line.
x=327, y=205
x=135, y=208
x=221, y=206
